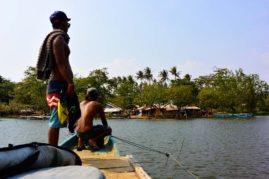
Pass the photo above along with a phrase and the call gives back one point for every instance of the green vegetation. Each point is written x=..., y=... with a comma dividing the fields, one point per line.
x=223, y=90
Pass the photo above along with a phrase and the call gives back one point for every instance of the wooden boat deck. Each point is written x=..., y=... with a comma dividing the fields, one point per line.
x=108, y=160
x=113, y=167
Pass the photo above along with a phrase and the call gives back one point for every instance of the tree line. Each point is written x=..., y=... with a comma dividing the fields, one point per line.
x=224, y=90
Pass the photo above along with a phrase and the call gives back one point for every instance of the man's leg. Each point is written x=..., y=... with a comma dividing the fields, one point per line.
x=53, y=136
x=99, y=132
x=81, y=145
x=81, y=139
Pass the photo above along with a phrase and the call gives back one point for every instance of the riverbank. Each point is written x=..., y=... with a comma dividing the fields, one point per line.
x=40, y=116
x=27, y=117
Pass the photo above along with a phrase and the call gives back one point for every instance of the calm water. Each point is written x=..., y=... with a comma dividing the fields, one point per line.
x=211, y=149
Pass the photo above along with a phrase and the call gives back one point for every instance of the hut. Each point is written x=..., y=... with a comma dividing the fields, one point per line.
x=169, y=110
x=113, y=111
x=190, y=111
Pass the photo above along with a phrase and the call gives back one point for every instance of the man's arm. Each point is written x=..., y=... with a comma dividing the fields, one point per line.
x=102, y=116
x=62, y=63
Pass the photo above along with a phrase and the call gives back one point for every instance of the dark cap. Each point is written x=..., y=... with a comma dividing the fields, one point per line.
x=58, y=16
x=92, y=93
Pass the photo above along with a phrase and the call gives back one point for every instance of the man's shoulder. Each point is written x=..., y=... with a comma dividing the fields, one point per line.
x=55, y=34
x=93, y=104
x=60, y=35
x=96, y=103
x=58, y=39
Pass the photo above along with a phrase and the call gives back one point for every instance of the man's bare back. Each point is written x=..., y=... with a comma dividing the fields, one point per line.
x=88, y=133
x=89, y=110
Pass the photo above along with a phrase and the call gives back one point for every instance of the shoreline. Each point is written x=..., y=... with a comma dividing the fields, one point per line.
x=46, y=117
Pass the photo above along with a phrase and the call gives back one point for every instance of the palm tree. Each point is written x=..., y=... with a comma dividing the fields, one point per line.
x=140, y=75
x=130, y=79
x=187, y=78
x=174, y=72
x=148, y=74
x=164, y=76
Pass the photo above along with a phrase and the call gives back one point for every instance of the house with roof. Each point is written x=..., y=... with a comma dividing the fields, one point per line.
x=190, y=111
x=113, y=111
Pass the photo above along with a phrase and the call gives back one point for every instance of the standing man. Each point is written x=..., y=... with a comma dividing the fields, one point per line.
x=87, y=132
x=60, y=91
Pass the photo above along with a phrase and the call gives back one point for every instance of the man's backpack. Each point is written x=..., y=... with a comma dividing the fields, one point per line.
x=33, y=156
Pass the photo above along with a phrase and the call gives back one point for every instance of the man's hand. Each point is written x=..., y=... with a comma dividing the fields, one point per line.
x=109, y=130
x=70, y=90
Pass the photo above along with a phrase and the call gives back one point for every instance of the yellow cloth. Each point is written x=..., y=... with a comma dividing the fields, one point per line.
x=62, y=113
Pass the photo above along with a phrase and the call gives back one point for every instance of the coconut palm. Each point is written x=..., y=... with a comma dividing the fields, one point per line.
x=164, y=76
x=174, y=72
x=148, y=74
x=140, y=75
x=130, y=79
x=187, y=78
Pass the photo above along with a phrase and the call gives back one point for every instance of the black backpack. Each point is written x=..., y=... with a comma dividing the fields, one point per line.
x=32, y=156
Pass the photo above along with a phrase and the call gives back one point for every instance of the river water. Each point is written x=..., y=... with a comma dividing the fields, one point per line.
x=211, y=148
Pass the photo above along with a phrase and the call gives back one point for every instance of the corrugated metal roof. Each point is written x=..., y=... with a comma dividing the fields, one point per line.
x=190, y=107
x=170, y=107
x=113, y=109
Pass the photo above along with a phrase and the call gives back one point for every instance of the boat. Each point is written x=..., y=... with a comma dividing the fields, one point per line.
x=107, y=159
x=31, y=117
x=222, y=115
x=139, y=117
x=233, y=115
x=243, y=115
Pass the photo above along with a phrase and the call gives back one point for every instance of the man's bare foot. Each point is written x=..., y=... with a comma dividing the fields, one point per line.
x=81, y=145
x=93, y=144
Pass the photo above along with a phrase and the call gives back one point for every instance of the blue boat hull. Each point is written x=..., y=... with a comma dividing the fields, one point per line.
x=109, y=149
x=237, y=115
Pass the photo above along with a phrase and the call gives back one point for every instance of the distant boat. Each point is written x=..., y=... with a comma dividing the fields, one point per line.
x=31, y=117
x=243, y=115
x=139, y=117
x=233, y=115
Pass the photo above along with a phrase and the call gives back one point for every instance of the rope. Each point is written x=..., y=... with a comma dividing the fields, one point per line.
x=141, y=146
x=179, y=152
x=160, y=152
x=184, y=168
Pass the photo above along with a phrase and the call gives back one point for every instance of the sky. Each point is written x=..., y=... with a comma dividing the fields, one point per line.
x=125, y=36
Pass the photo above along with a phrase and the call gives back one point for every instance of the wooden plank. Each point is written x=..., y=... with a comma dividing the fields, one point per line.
x=111, y=164
x=138, y=169
x=101, y=153
x=115, y=175
x=115, y=165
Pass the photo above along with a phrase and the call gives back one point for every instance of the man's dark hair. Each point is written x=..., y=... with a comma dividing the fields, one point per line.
x=91, y=94
x=56, y=26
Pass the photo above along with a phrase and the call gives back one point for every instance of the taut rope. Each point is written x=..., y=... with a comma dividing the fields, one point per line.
x=160, y=152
